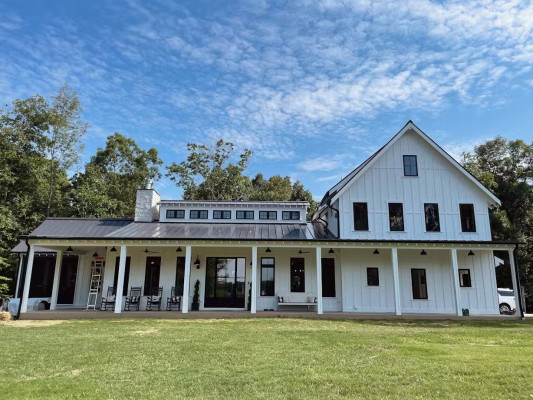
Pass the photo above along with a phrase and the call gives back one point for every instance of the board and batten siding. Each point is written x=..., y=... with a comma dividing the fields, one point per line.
x=438, y=181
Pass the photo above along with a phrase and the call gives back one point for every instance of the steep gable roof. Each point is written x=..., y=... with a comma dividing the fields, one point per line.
x=334, y=193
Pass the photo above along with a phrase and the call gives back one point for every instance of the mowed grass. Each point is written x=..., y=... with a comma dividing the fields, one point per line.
x=266, y=359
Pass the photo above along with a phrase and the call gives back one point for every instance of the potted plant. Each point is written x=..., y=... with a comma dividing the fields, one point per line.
x=250, y=296
x=196, y=298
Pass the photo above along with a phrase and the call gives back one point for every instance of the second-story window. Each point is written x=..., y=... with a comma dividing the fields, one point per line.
x=396, y=217
x=410, y=167
x=431, y=215
x=245, y=215
x=198, y=214
x=175, y=214
x=268, y=215
x=291, y=215
x=222, y=214
x=360, y=217
x=468, y=219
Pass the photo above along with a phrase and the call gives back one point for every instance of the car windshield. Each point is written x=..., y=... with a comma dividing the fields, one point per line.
x=507, y=292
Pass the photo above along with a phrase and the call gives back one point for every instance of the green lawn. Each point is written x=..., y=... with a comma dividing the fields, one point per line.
x=266, y=358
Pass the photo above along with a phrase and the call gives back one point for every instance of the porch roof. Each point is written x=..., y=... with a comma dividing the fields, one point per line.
x=81, y=228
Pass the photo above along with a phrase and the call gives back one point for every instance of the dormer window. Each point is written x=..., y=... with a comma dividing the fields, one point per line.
x=175, y=214
x=245, y=215
x=198, y=214
x=291, y=215
x=410, y=166
x=222, y=214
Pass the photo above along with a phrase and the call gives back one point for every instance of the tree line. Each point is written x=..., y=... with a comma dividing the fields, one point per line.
x=41, y=142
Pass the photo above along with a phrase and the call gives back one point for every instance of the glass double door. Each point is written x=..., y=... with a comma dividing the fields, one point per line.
x=225, y=282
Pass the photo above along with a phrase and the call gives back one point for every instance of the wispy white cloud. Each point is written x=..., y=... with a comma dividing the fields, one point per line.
x=284, y=79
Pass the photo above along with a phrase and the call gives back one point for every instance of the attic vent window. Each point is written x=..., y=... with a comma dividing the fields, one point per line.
x=410, y=166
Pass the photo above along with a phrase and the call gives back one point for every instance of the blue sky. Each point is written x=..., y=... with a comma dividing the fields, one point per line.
x=312, y=87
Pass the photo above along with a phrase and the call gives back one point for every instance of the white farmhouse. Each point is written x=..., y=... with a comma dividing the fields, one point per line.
x=407, y=231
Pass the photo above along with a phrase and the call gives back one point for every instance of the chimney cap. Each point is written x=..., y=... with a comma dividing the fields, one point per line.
x=149, y=184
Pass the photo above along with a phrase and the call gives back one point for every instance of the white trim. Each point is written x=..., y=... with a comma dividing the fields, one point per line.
x=319, y=305
x=186, y=280
x=396, y=279
x=411, y=126
x=55, y=285
x=253, y=300
x=120, y=279
x=515, y=283
x=456, y=286
x=27, y=280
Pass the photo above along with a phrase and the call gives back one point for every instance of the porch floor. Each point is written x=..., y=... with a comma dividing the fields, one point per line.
x=70, y=314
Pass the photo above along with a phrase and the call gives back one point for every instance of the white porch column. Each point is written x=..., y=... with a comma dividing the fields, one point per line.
x=55, y=285
x=27, y=281
x=456, y=286
x=396, y=279
x=253, y=300
x=515, y=284
x=319, y=307
x=186, y=280
x=21, y=263
x=120, y=280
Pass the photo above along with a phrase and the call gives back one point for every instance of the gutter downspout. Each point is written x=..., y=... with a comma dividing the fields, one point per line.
x=23, y=278
x=518, y=284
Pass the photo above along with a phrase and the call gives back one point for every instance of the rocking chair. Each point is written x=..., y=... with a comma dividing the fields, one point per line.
x=173, y=300
x=108, y=300
x=134, y=299
x=155, y=300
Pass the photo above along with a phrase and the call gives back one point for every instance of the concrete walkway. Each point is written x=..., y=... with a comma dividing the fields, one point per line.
x=72, y=314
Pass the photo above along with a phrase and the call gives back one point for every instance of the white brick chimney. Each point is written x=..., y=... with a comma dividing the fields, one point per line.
x=147, y=204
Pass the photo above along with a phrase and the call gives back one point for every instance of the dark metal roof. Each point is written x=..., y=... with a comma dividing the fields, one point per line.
x=82, y=228
x=79, y=227
x=21, y=247
x=217, y=231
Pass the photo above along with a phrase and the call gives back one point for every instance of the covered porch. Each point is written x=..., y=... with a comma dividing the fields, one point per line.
x=266, y=277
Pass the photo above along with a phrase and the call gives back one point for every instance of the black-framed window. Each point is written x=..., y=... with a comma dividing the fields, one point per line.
x=222, y=214
x=360, y=216
x=175, y=213
x=198, y=214
x=410, y=166
x=468, y=219
x=297, y=275
x=268, y=215
x=126, y=276
x=464, y=278
x=180, y=276
x=372, y=276
x=328, y=277
x=268, y=270
x=245, y=215
x=42, y=276
x=151, y=276
x=419, y=283
x=396, y=217
x=431, y=215
x=290, y=215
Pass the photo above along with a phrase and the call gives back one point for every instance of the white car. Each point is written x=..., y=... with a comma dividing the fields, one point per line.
x=506, y=300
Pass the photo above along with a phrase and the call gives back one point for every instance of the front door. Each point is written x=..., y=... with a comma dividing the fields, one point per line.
x=67, y=280
x=225, y=281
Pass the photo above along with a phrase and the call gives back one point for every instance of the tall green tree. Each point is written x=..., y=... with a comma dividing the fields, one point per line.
x=26, y=191
x=506, y=168
x=107, y=187
x=208, y=174
x=63, y=136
